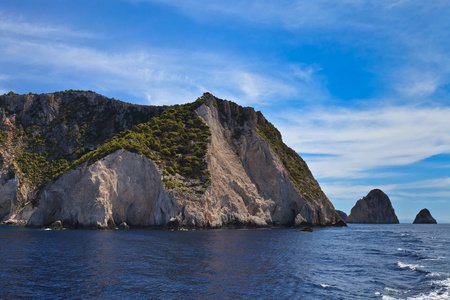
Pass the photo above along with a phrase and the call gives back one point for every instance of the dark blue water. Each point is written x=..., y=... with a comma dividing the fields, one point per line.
x=358, y=262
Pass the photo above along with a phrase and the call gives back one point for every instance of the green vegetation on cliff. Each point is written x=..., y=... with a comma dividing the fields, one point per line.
x=176, y=139
x=296, y=167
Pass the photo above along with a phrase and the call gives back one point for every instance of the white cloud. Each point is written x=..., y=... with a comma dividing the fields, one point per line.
x=428, y=184
x=358, y=141
x=411, y=38
x=438, y=188
x=18, y=27
x=415, y=84
x=343, y=192
x=299, y=14
x=290, y=14
x=163, y=76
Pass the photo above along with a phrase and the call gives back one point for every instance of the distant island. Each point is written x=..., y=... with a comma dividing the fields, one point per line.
x=424, y=217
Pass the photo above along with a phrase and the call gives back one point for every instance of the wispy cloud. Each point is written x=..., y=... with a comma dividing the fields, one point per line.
x=162, y=76
x=411, y=37
x=298, y=14
x=436, y=188
x=18, y=27
x=290, y=14
x=362, y=140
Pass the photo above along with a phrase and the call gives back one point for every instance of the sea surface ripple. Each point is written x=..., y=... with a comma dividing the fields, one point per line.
x=401, y=261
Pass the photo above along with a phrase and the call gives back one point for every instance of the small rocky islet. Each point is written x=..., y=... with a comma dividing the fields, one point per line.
x=424, y=217
x=374, y=208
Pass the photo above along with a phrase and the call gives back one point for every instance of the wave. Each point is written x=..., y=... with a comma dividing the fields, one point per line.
x=441, y=291
x=417, y=268
x=410, y=266
x=327, y=286
x=406, y=252
x=437, y=258
x=388, y=298
x=393, y=290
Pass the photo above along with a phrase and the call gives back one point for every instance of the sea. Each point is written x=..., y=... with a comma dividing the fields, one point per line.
x=361, y=261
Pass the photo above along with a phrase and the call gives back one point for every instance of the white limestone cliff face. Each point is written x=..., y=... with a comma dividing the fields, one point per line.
x=122, y=187
x=249, y=183
x=8, y=189
x=12, y=195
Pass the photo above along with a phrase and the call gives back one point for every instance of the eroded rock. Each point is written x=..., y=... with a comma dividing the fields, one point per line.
x=56, y=225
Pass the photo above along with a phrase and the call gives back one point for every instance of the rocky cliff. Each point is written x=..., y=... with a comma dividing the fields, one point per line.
x=89, y=161
x=424, y=217
x=375, y=208
x=342, y=214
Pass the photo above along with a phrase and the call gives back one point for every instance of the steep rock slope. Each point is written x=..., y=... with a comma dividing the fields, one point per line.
x=342, y=214
x=375, y=208
x=424, y=217
x=243, y=162
x=235, y=171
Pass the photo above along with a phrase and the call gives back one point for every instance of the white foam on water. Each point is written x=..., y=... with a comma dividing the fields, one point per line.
x=392, y=290
x=405, y=266
x=442, y=291
x=440, y=257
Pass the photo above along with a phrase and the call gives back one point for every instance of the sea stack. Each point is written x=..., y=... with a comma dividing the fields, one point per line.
x=424, y=217
x=375, y=208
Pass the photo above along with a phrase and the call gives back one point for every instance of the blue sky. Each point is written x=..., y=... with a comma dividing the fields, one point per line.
x=361, y=89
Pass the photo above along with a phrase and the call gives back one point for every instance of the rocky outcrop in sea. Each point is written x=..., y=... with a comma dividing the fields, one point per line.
x=424, y=217
x=375, y=208
x=84, y=160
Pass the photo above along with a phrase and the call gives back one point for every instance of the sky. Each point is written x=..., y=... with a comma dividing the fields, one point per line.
x=360, y=89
